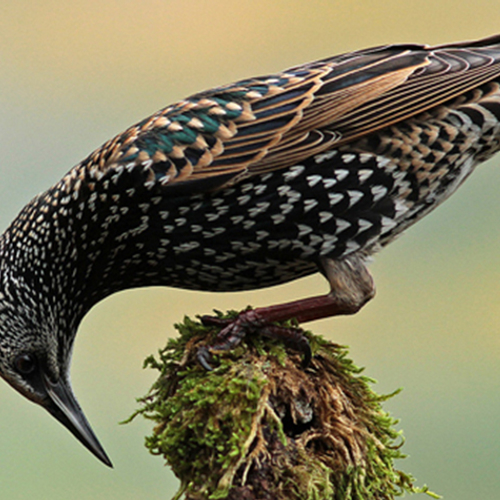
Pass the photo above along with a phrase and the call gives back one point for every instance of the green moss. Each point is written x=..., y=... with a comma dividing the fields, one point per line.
x=261, y=426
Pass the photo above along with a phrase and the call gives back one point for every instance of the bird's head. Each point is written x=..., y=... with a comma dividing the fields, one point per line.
x=34, y=359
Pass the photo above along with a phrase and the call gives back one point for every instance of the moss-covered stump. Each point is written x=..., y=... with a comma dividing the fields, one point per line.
x=260, y=426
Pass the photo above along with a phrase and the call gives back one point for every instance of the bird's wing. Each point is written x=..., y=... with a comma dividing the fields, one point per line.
x=217, y=137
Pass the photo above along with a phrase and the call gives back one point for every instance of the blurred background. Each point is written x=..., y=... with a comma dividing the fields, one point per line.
x=74, y=74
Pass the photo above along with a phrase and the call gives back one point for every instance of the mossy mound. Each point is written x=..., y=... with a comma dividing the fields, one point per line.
x=260, y=426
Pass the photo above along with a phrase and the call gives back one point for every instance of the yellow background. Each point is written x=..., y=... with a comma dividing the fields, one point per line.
x=73, y=74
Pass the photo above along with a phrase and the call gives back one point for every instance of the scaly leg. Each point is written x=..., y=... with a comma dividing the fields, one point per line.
x=351, y=286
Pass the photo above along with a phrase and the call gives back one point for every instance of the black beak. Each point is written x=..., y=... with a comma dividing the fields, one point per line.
x=63, y=405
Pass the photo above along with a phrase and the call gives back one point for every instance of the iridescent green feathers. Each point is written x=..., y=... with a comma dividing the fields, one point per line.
x=215, y=138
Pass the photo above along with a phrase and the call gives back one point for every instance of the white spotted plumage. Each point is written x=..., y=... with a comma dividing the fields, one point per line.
x=246, y=186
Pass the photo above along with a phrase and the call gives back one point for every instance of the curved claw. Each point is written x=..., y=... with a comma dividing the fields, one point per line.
x=205, y=358
x=234, y=330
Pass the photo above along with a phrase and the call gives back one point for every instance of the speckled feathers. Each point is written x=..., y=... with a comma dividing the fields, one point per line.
x=246, y=186
x=252, y=184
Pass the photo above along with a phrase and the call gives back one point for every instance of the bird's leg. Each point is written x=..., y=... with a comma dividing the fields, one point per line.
x=351, y=286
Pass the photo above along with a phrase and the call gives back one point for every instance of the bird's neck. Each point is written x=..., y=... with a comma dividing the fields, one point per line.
x=59, y=251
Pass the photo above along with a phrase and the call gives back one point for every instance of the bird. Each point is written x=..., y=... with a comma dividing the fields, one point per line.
x=245, y=186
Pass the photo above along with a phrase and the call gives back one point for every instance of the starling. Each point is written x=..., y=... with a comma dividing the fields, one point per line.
x=241, y=187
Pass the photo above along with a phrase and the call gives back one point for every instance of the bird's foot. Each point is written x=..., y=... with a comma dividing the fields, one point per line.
x=250, y=322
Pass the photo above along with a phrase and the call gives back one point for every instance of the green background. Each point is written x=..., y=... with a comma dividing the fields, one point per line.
x=73, y=74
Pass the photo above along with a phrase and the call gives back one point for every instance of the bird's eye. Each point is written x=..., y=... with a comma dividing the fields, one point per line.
x=25, y=364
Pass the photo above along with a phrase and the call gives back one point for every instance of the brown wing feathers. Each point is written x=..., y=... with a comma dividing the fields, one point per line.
x=268, y=123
